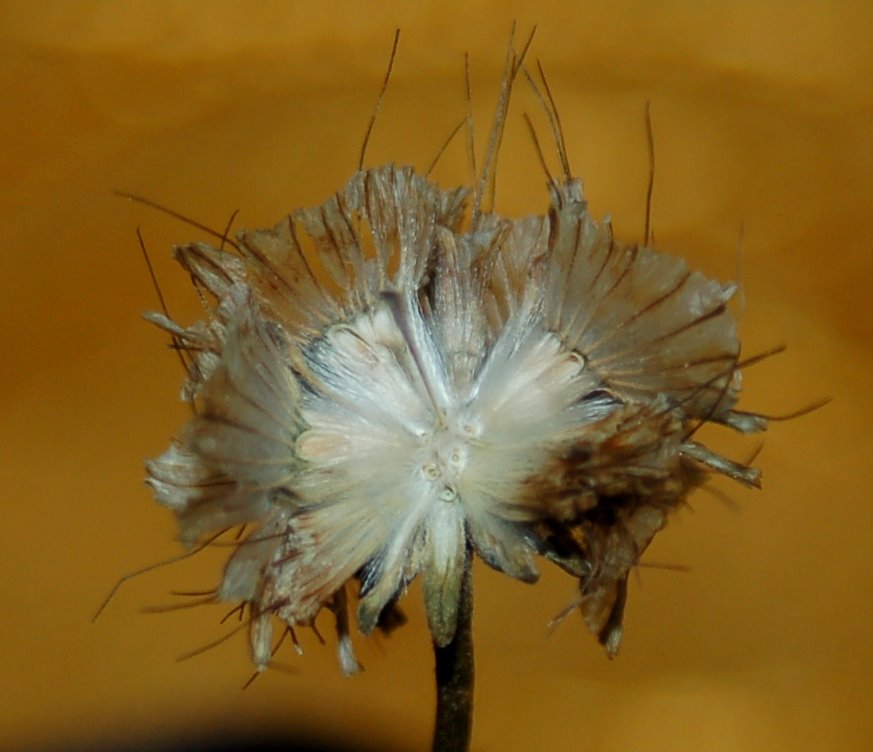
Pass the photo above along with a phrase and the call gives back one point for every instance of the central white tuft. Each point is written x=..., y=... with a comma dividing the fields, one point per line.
x=386, y=406
x=405, y=457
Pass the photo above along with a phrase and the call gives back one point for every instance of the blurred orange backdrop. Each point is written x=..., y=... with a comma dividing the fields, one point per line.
x=762, y=114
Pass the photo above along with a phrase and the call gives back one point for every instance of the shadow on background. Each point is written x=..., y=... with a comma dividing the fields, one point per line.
x=232, y=742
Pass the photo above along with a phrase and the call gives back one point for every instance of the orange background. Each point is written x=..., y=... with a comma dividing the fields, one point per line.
x=762, y=114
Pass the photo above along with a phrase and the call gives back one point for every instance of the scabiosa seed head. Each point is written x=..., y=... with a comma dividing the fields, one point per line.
x=380, y=387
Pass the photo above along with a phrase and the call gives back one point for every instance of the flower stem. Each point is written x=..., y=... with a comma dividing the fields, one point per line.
x=454, y=676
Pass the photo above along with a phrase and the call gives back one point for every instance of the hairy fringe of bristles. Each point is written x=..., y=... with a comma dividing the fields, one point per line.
x=383, y=384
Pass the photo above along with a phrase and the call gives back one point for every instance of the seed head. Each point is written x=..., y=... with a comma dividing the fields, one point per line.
x=381, y=385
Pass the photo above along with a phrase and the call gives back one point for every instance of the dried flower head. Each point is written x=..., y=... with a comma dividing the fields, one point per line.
x=383, y=384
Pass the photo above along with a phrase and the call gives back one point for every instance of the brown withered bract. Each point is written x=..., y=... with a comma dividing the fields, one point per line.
x=383, y=383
